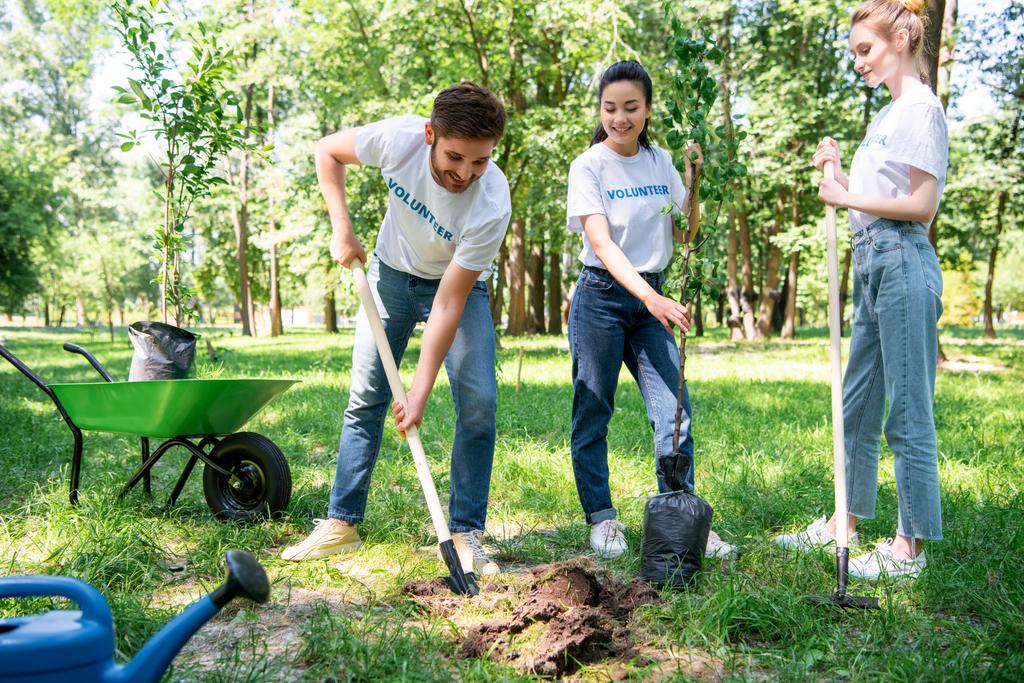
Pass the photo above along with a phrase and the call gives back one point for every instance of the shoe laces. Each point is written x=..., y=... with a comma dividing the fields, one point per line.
x=472, y=539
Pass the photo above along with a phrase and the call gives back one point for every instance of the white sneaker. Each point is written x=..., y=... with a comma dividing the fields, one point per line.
x=329, y=537
x=882, y=562
x=607, y=539
x=472, y=554
x=816, y=536
x=719, y=549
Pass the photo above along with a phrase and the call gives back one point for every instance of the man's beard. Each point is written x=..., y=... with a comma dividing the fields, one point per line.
x=440, y=177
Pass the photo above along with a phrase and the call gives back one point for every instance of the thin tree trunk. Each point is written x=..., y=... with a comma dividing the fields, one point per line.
x=80, y=319
x=935, y=11
x=732, y=284
x=242, y=229
x=330, y=313
x=60, y=320
x=554, y=292
x=498, y=300
x=535, y=283
x=844, y=287
x=276, y=326
x=771, y=277
x=990, y=329
x=789, y=326
x=748, y=296
x=939, y=26
x=517, y=280
x=946, y=52
x=242, y=226
x=46, y=312
x=698, y=316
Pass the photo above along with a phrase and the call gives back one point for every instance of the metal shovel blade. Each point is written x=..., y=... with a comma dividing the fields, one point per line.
x=459, y=581
x=845, y=601
x=841, y=598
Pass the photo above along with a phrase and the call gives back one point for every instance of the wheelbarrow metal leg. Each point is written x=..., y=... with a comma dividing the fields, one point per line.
x=185, y=474
x=147, y=480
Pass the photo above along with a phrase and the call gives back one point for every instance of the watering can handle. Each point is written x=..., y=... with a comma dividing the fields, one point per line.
x=94, y=607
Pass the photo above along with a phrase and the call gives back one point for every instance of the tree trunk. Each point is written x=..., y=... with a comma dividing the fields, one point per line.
x=535, y=283
x=242, y=228
x=517, y=280
x=330, y=313
x=80, y=319
x=60, y=320
x=498, y=300
x=242, y=225
x=939, y=31
x=946, y=51
x=732, y=286
x=276, y=326
x=748, y=296
x=698, y=316
x=844, y=287
x=934, y=11
x=789, y=326
x=46, y=312
x=554, y=292
x=771, y=272
x=990, y=329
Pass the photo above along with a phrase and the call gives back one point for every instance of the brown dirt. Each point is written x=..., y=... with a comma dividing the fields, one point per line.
x=570, y=614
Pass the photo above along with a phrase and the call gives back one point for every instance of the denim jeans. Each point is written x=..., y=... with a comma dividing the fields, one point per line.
x=897, y=289
x=609, y=326
x=404, y=300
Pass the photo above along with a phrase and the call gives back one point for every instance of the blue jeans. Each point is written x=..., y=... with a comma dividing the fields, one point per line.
x=897, y=289
x=403, y=301
x=609, y=326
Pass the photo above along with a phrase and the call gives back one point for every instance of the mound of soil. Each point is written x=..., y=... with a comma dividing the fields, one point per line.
x=571, y=614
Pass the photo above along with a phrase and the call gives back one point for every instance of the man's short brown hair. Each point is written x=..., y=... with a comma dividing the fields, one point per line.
x=469, y=112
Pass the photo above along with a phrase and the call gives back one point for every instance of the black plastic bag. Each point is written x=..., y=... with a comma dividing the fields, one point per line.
x=160, y=351
x=676, y=528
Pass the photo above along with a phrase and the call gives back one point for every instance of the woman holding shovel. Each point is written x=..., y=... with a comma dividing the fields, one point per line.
x=892, y=194
x=617, y=189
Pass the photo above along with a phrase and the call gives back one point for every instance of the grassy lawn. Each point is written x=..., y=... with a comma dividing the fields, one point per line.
x=761, y=423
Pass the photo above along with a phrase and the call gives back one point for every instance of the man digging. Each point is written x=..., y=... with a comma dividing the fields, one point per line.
x=448, y=211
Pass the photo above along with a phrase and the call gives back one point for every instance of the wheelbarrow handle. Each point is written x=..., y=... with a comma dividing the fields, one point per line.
x=75, y=348
x=24, y=369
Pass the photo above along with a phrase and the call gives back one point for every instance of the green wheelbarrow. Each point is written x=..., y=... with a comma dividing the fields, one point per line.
x=246, y=477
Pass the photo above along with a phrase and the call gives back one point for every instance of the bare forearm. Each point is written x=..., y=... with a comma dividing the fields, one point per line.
x=330, y=175
x=438, y=335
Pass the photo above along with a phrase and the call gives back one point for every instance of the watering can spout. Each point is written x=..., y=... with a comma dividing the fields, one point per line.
x=246, y=578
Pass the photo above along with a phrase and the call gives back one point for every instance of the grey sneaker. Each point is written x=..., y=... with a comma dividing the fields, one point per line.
x=882, y=562
x=816, y=536
x=472, y=554
x=329, y=537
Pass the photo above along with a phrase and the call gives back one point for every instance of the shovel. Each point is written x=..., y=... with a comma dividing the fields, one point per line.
x=458, y=580
x=840, y=598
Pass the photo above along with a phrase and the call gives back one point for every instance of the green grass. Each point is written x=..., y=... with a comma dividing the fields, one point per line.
x=763, y=437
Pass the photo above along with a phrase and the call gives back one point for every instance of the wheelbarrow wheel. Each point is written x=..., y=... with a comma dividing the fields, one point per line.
x=260, y=483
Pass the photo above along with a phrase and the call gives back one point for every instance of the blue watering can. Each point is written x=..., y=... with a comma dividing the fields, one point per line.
x=64, y=645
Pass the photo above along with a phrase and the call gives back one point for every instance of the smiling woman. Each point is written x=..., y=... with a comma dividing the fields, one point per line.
x=893, y=190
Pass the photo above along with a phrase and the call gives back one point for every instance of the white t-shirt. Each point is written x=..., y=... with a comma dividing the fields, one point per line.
x=630, y=192
x=909, y=131
x=426, y=226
